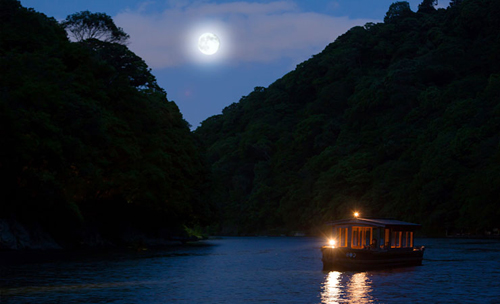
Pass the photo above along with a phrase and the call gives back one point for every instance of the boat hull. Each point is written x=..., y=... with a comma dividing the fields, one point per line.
x=364, y=259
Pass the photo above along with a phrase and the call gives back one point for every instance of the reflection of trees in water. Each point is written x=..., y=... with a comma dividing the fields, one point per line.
x=342, y=288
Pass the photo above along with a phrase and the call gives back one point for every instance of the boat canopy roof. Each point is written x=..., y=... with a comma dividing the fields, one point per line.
x=375, y=222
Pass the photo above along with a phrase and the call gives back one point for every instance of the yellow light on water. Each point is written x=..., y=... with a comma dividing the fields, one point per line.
x=340, y=287
x=332, y=289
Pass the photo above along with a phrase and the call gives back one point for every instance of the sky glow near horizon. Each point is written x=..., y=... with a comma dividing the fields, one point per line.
x=261, y=40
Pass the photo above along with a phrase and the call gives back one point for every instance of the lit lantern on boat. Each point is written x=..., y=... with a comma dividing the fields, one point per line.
x=332, y=243
x=356, y=214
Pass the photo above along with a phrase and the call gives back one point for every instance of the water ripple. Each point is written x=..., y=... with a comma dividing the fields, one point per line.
x=253, y=270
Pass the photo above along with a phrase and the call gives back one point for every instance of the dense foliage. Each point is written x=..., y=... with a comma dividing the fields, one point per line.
x=89, y=140
x=396, y=119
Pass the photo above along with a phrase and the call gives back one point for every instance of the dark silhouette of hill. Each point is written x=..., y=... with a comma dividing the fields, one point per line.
x=92, y=150
x=395, y=119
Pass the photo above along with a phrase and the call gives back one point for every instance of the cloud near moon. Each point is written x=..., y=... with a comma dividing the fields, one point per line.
x=252, y=32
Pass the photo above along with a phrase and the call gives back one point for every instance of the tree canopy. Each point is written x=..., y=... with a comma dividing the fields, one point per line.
x=399, y=9
x=397, y=119
x=86, y=25
x=89, y=140
x=427, y=6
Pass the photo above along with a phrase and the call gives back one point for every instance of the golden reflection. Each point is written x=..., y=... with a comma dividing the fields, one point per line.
x=359, y=288
x=342, y=287
x=332, y=288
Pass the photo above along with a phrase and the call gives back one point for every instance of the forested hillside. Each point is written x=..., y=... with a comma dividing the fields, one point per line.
x=91, y=147
x=396, y=119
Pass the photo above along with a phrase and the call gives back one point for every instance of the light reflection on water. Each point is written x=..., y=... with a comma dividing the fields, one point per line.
x=359, y=288
x=250, y=270
x=332, y=288
x=340, y=287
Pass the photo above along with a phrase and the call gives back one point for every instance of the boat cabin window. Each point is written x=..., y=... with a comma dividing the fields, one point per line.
x=387, y=237
x=361, y=237
x=409, y=238
x=401, y=239
x=342, y=237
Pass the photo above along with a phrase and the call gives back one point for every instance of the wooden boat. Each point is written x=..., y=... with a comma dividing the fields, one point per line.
x=369, y=243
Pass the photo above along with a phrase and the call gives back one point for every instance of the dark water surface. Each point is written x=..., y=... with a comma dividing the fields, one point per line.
x=250, y=270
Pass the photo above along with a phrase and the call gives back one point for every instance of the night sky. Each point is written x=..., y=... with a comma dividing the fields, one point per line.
x=260, y=40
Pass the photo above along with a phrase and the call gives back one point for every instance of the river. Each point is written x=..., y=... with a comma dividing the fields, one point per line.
x=249, y=270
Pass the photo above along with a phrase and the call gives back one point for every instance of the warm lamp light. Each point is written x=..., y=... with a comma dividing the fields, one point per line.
x=332, y=243
x=356, y=214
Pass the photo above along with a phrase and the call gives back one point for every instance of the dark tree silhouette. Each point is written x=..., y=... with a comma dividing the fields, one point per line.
x=427, y=6
x=397, y=118
x=88, y=137
x=86, y=25
x=455, y=2
x=397, y=10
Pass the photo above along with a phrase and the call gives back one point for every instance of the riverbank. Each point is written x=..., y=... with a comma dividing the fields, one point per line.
x=17, y=236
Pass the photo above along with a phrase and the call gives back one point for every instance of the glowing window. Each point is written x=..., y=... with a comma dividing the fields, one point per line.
x=342, y=237
x=387, y=237
x=408, y=239
x=401, y=239
x=396, y=239
x=361, y=237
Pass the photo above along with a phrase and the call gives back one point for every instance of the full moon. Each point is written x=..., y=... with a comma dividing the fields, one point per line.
x=208, y=44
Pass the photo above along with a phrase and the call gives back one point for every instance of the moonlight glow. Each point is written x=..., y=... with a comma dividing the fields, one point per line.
x=208, y=44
